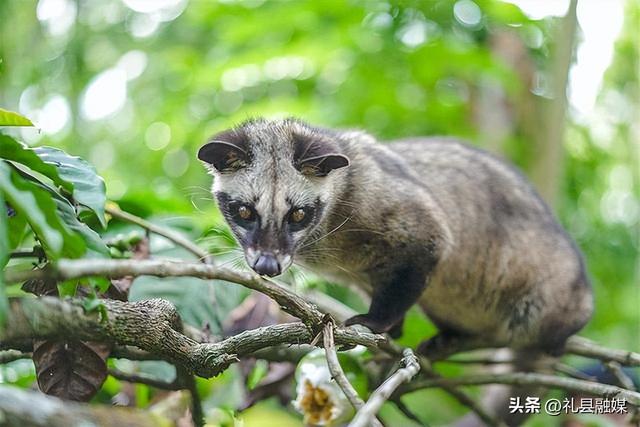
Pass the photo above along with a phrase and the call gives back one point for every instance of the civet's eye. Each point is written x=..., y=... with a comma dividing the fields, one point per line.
x=298, y=215
x=245, y=212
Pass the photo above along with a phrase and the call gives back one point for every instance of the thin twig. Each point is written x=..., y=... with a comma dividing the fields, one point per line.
x=344, y=312
x=367, y=413
x=478, y=359
x=572, y=372
x=26, y=254
x=622, y=379
x=132, y=353
x=175, y=237
x=338, y=374
x=406, y=411
x=7, y=356
x=587, y=348
x=144, y=379
x=529, y=378
x=462, y=397
x=336, y=369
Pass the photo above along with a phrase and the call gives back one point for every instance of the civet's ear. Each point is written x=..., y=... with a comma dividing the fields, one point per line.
x=226, y=151
x=315, y=157
x=322, y=165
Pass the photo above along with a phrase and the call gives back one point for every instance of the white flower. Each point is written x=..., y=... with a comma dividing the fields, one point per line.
x=318, y=397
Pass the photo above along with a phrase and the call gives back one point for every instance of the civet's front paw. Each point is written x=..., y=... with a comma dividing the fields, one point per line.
x=375, y=325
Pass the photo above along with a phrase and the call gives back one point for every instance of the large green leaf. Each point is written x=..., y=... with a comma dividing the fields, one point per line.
x=42, y=214
x=88, y=187
x=9, y=118
x=10, y=149
x=67, y=213
x=72, y=173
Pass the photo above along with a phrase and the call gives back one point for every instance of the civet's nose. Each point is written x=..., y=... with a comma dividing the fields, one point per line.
x=267, y=265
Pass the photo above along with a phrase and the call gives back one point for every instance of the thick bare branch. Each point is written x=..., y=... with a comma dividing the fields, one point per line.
x=153, y=326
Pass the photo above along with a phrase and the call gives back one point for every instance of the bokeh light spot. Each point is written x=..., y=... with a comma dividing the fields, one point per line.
x=58, y=16
x=105, y=94
x=175, y=163
x=157, y=136
x=467, y=13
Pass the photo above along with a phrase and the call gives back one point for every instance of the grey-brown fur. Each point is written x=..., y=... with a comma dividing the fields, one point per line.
x=426, y=220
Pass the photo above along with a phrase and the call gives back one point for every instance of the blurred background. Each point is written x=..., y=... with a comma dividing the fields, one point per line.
x=136, y=86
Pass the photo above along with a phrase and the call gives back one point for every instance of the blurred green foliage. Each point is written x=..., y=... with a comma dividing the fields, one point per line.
x=135, y=87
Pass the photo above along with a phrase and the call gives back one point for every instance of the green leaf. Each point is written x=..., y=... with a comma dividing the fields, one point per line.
x=259, y=371
x=88, y=187
x=20, y=153
x=4, y=259
x=67, y=213
x=68, y=288
x=99, y=284
x=92, y=303
x=93, y=241
x=41, y=212
x=76, y=176
x=17, y=228
x=9, y=118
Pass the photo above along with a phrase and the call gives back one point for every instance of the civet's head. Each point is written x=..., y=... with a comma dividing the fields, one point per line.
x=274, y=181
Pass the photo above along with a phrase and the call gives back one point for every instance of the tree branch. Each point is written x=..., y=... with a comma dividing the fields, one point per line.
x=144, y=379
x=526, y=379
x=183, y=381
x=338, y=374
x=19, y=407
x=189, y=381
x=152, y=328
x=336, y=369
x=175, y=237
x=367, y=413
x=7, y=356
x=584, y=347
x=622, y=379
x=152, y=325
x=113, y=269
x=343, y=312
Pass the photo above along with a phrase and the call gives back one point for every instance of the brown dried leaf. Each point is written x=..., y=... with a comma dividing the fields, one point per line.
x=41, y=287
x=71, y=370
